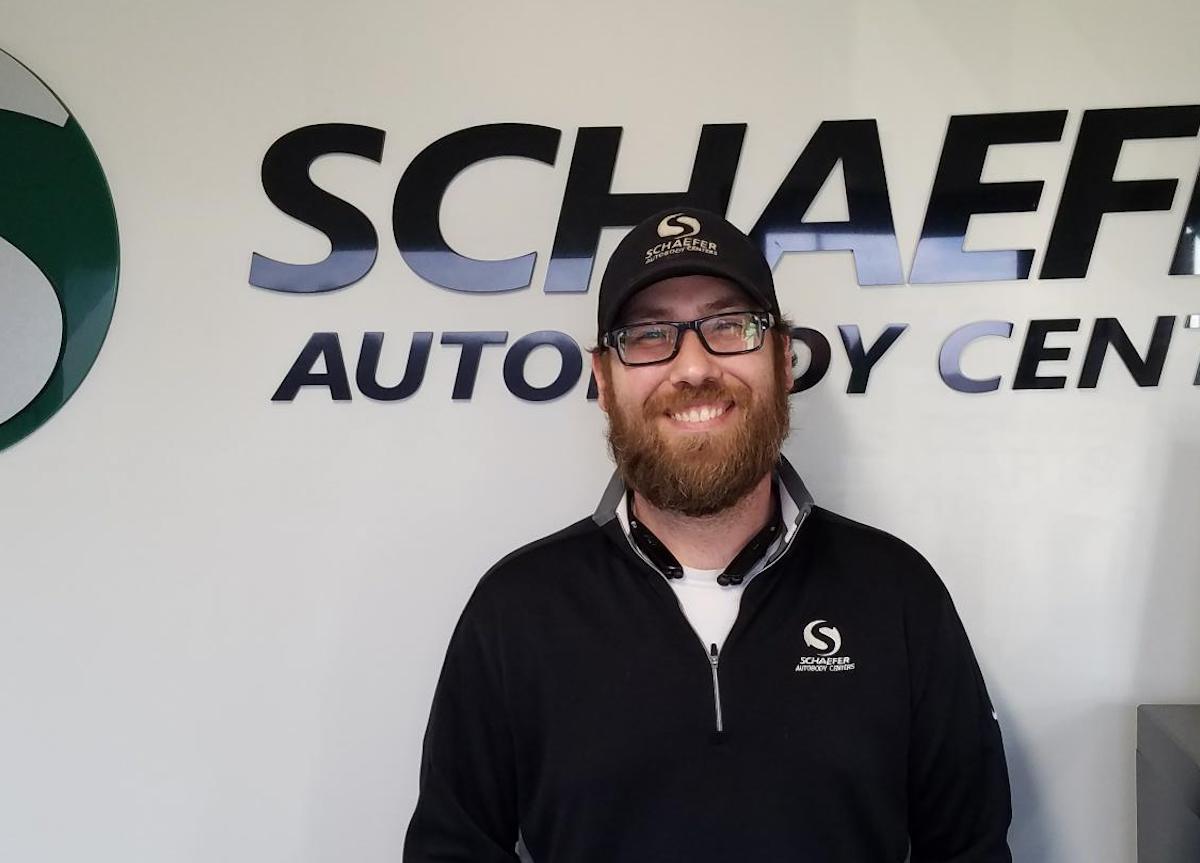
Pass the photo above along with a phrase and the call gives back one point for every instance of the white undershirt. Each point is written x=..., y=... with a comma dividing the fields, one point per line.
x=709, y=607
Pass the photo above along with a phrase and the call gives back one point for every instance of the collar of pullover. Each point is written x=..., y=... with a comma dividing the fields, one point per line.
x=795, y=503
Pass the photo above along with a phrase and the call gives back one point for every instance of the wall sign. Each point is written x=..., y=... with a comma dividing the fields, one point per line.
x=589, y=205
x=59, y=254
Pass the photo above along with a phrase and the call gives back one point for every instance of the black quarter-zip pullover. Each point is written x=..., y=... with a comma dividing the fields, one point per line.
x=844, y=721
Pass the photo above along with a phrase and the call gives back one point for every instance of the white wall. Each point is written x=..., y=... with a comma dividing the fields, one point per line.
x=221, y=618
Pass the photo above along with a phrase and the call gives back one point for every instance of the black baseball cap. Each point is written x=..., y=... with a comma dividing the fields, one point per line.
x=682, y=241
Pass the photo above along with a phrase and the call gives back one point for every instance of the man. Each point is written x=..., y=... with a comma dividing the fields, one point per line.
x=710, y=667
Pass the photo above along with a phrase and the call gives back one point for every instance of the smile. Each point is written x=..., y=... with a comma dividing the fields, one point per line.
x=699, y=413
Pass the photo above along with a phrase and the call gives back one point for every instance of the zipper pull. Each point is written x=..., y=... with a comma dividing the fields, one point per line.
x=713, y=657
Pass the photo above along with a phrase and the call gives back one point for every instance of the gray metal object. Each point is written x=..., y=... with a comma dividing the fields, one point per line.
x=1168, y=783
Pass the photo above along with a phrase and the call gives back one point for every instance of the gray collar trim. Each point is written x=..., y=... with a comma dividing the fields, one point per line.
x=606, y=511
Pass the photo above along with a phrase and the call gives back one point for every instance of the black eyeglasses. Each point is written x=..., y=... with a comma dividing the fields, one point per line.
x=723, y=334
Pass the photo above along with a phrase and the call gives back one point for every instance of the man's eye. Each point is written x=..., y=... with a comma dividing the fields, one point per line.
x=738, y=327
x=648, y=336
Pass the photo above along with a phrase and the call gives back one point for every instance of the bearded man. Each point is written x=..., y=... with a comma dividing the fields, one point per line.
x=710, y=667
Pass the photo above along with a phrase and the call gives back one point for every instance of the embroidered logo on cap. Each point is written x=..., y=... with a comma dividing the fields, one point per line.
x=679, y=232
x=685, y=226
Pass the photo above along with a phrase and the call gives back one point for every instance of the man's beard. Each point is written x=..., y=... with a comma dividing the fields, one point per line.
x=701, y=473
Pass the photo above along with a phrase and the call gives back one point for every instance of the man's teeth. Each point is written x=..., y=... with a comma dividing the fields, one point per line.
x=698, y=415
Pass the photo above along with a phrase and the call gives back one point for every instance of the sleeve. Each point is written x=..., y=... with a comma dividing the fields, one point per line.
x=466, y=808
x=959, y=801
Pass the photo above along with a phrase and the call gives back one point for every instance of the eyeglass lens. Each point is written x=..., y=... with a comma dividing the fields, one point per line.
x=721, y=334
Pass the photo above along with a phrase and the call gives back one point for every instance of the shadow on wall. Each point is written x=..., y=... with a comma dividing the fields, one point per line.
x=817, y=440
x=1031, y=836
x=1166, y=646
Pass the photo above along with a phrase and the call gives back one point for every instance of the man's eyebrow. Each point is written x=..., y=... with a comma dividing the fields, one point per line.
x=727, y=303
x=649, y=313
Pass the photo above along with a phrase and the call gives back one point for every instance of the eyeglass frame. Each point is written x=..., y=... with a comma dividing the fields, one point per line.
x=767, y=321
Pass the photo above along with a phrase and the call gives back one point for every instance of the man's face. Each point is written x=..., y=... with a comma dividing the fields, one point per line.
x=695, y=435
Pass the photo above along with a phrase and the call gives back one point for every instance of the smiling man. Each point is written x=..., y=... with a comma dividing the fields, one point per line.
x=710, y=667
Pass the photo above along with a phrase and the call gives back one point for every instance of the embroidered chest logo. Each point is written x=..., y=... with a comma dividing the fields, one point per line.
x=825, y=642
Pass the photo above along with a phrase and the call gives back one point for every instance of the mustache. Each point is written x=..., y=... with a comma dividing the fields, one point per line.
x=680, y=400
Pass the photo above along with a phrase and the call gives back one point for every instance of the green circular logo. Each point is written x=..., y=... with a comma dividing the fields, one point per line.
x=59, y=255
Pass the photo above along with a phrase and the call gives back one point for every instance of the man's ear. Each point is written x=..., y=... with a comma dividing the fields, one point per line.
x=787, y=366
x=599, y=358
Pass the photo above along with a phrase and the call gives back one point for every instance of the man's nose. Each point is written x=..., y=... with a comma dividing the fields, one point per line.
x=693, y=364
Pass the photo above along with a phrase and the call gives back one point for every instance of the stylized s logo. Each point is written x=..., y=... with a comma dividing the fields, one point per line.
x=678, y=225
x=59, y=253
x=824, y=639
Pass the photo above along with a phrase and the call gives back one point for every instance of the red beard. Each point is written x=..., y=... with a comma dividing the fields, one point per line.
x=706, y=472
